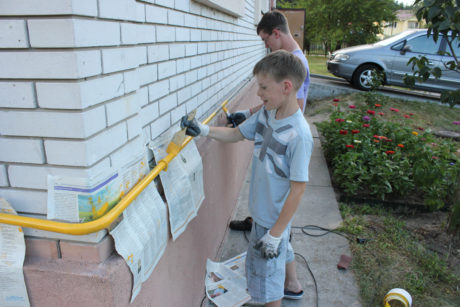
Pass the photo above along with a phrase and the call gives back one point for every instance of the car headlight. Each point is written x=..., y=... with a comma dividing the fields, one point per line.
x=341, y=57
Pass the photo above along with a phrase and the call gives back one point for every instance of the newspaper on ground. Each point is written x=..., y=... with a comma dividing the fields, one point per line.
x=141, y=237
x=184, y=171
x=226, y=282
x=76, y=199
x=13, y=291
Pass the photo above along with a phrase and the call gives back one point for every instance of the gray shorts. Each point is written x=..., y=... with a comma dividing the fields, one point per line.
x=265, y=277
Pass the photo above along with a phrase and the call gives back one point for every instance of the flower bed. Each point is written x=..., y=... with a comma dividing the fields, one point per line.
x=374, y=157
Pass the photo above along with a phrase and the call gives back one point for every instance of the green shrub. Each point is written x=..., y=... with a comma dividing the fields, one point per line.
x=372, y=156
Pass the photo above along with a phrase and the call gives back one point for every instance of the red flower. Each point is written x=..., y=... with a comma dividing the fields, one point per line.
x=371, y=112
x=390, y=152
x=381, y=113
x=336, y=99
x=354, y=131
x=343, y=132
x=394, y=110
x=366, y=125
x=335, y=104
x=401, y=145
x=420, y=128
x=376, y=136
x=377, y=141
x=434, y=158
x=350, y=146
x=352, y=106
x=411, y=114
x=406, y=116
x=340, y=120
x=378, y=105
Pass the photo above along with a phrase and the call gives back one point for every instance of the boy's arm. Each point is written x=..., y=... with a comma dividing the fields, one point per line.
x=290, y=207
x=269, y=243
x=223, y=134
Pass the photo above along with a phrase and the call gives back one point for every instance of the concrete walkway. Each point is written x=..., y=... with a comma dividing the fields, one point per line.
x=318, y=207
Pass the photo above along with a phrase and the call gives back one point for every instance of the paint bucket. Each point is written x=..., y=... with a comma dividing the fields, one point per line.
x=398, y=298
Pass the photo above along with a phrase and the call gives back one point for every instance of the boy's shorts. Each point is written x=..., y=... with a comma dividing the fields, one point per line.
x=265, y=277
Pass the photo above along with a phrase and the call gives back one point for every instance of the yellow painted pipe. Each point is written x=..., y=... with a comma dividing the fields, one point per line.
x=106, y=220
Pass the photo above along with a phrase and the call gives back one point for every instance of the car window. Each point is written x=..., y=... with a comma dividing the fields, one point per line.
x=398, y=46
x=424, y=44
x=455, y=46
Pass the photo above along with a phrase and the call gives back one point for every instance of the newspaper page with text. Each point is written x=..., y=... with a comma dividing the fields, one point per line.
x=13, y=291
x=226, y=282
x=184, y=171
x=141, y=237
x=80, y=200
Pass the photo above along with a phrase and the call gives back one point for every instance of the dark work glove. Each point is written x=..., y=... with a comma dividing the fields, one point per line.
x=194, y=127
x=238, y=117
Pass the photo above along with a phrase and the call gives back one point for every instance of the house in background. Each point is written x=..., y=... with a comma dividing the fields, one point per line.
x=405, y=20
x=84, y=86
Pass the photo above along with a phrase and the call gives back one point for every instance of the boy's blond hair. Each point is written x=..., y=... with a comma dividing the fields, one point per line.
x=281, y=65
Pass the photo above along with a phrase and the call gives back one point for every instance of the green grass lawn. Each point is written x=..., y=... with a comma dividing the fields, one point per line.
x=317, y=65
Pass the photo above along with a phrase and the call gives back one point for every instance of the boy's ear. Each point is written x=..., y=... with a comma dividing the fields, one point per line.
x=288, y=86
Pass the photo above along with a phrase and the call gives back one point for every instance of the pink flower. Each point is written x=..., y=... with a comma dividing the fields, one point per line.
x=352, y=106
x=366, y=125
x=340, y=120
x=394, y=110
x=456, y=122
x=371, y=112
x=406, y=116
x=381, y=113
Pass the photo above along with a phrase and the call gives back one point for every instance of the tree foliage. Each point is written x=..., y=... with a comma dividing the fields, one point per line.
x=337, y=23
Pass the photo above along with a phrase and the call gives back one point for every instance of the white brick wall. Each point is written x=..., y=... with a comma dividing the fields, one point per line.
x=14, y=34
x=85, y=84
x=22, y=150
x=56, y=33
x=17, y=95
x=50, y=65
x=79, y=95
x=87, y=152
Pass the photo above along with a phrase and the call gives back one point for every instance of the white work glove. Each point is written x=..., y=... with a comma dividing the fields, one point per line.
x=268, y=245
x=194, y=127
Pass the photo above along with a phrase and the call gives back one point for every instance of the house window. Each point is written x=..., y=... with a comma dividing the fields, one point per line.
x=413, y=25
x=233, y=7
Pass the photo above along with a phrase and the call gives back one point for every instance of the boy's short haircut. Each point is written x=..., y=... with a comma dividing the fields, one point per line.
x=273, y=20
x=281, y=65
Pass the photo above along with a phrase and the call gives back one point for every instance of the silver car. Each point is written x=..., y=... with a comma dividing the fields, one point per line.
x=356, y=64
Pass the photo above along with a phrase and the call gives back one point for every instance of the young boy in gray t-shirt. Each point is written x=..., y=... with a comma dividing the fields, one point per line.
x=282, y=148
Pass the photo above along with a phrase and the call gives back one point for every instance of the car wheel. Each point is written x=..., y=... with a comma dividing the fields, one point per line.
x=362, y=78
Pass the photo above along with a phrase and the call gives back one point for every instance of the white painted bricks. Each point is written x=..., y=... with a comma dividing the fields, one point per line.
x=85, y=84
x=13, y=34
x=52, y=124
x=64, y=33
x=78, y=95
x=17, y=95
x=50, y=65
x=22, y=150
x=52, y=7
x=86, y=153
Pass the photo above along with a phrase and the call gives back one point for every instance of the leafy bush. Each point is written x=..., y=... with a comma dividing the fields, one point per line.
x=372, y=156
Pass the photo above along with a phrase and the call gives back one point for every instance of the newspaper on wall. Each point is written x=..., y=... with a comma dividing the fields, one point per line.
x=141, y=237
x=76, y=199
x=182, y=183
x=13, y=291
x=226, y=282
